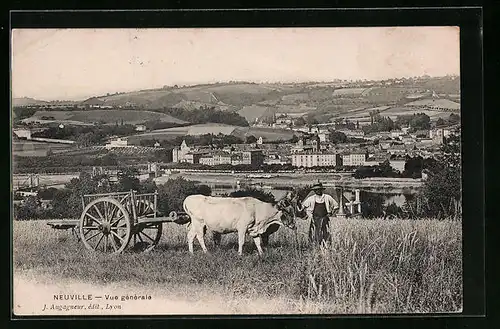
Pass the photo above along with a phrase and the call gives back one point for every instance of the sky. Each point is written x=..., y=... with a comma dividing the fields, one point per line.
x=72, y=64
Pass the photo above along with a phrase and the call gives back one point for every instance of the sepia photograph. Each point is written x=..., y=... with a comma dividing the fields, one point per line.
x=235, y=171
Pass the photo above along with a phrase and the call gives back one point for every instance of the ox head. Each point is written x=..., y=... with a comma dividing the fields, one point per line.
x=288, y=210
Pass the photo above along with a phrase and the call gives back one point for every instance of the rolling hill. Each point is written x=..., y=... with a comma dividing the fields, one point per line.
x=254, y=101
x=24, y=101
x=223, y=96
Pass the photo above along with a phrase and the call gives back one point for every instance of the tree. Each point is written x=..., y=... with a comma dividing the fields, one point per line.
x=171, y=195
x=127, y=180
x=440, y=122
x=47, y=194
x=251, y=139
x=386, y=169
x=413, y=167
x=442, y=189
x=337, y=137
x=255, y=193
x=373, y=205
x=420, y=121
x=61, y=206
x=109, y=159
x=29, y=209
x=148, y=186
x=454, y=118
x=299, y=122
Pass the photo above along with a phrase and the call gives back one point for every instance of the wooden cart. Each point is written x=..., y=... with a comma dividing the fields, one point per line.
x=111, y=222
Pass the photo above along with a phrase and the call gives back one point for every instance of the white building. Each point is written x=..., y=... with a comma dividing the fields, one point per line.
x=316, y=159
x=406, y=139
x=222, y=158
x=207, y=160
x=323, y=137
x=352, y=133
x=438, y=135
x=397, y=133
x=140, y=128
x=354, y=159
x=405, y=130
x=398, y=165
x=119, y=142
x=179, y=153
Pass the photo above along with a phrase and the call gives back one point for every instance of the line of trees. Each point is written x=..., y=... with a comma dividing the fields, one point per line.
x=206, y=114
x=452, y=119
x=217, y=141
x=440, y=196
x=66, y=202
x=86, y=135
x=417, y=121
x=72, y=163
x=380, y=124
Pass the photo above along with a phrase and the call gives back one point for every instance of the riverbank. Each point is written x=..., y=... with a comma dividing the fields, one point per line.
x=278, y=181
x=392, y=185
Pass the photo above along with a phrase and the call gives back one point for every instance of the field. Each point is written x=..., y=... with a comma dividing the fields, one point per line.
x=393, y=112
x=231, y=94
x=250, y=113
x=108, y=116
x=31, y=148
x=443, y=103
x=363, y=114
x=372, y=266
x=348, y=91
x=214, y=128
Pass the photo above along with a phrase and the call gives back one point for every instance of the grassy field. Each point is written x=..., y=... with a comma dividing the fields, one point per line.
x=33, y=148
x=108, y=116
x=372, y=266
x=215, y=128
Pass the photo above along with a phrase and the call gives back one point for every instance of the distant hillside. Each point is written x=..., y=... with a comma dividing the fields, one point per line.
x=24, y=101
x=222, y=96
x=256, y=101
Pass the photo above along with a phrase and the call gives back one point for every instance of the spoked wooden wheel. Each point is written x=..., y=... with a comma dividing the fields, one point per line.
x=145, y=236
x=105, y=226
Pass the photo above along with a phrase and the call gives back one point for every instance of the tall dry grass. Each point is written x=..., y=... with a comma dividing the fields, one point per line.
x=387, y=266
x=371, y=266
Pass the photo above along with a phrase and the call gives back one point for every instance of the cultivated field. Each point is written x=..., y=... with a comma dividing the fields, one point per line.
x=215, y=128
x=231, y=94
x=108, y=116
x=32, y=148
x=372, y=266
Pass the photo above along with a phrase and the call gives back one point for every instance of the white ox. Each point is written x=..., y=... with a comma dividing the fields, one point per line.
x=245, y=214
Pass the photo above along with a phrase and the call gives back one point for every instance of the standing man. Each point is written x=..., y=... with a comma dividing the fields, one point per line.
x=319, y=207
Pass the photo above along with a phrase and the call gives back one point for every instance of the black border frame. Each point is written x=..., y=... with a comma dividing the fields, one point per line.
x=469, y=19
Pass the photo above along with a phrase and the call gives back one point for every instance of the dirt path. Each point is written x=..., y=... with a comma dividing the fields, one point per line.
x=41, y=295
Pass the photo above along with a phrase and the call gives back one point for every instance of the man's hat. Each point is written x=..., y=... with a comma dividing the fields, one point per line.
x=317, y=186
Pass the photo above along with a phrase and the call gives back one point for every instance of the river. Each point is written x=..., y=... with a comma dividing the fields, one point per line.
x=388, y=198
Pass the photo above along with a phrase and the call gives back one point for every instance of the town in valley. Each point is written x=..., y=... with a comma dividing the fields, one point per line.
x=352, y=134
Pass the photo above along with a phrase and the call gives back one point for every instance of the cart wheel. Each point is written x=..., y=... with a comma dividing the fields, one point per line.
x=105, y=226
x=146, y=236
